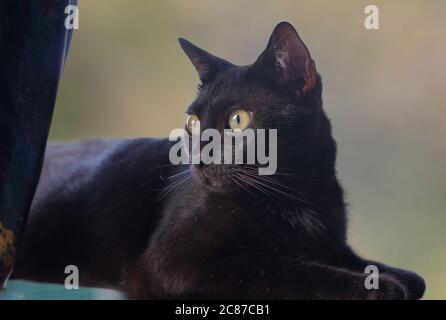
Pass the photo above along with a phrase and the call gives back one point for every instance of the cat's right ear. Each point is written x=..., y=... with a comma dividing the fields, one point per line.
x=207, y=65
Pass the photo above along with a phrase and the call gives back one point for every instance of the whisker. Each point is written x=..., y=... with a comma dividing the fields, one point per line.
x=239, y=183
x=178, y=181
x=255, y=185
x=178, y=174
x=264, y=179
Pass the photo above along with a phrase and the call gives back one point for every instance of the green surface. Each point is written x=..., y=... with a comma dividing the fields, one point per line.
x=26, y=290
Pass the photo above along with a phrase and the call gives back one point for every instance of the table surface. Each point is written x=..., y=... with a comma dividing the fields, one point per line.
x=26, y=290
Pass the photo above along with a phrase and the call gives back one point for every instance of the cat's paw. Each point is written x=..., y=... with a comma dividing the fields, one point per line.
x=389, y=289
x=415, y=285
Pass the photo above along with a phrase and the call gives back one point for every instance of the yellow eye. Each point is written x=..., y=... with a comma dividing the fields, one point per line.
x=239, y=119
x=192, y=124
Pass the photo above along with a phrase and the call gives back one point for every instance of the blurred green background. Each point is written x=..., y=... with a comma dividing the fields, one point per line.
x=384, y=91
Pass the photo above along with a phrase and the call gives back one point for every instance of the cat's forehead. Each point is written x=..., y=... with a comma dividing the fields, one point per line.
x=234, y=81
x=234, y=86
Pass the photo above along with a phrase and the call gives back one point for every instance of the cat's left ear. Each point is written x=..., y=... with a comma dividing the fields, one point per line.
x=287, y=61
x=207, y=65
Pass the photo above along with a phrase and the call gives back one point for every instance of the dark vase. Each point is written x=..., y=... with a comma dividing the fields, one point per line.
x=33, y=47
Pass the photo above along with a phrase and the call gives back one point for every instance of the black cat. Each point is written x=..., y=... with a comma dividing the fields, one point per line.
x=130, y=220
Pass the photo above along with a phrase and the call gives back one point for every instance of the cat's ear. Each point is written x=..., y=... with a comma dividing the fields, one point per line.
x=287, y=61
x=206, y=64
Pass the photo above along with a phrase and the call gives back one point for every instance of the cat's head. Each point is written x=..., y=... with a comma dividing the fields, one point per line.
x=280, y=90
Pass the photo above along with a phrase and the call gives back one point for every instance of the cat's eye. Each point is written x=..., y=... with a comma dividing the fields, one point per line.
x=192, y=124
x=239, y=119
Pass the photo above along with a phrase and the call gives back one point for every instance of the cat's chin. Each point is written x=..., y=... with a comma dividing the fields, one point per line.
x=218, y=189
x=220, y=183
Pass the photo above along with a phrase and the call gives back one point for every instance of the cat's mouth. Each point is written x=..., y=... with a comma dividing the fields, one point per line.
x=217, y=177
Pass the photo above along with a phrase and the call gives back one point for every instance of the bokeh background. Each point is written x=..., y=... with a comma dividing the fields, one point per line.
x=384, y=91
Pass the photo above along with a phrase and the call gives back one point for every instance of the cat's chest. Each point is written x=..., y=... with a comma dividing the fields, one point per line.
x=224, y=221
x=218, y=213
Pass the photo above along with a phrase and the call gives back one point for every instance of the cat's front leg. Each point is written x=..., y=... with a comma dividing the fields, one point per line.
x=243, y=276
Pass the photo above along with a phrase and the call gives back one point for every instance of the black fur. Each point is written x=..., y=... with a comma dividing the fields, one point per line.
x=132, y=221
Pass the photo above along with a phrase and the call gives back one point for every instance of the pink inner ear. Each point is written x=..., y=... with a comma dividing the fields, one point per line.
x=206, y=64
x=200, y=59
x=200, y=64
x=310, y=76
x=290, y=52
x=292, y=57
